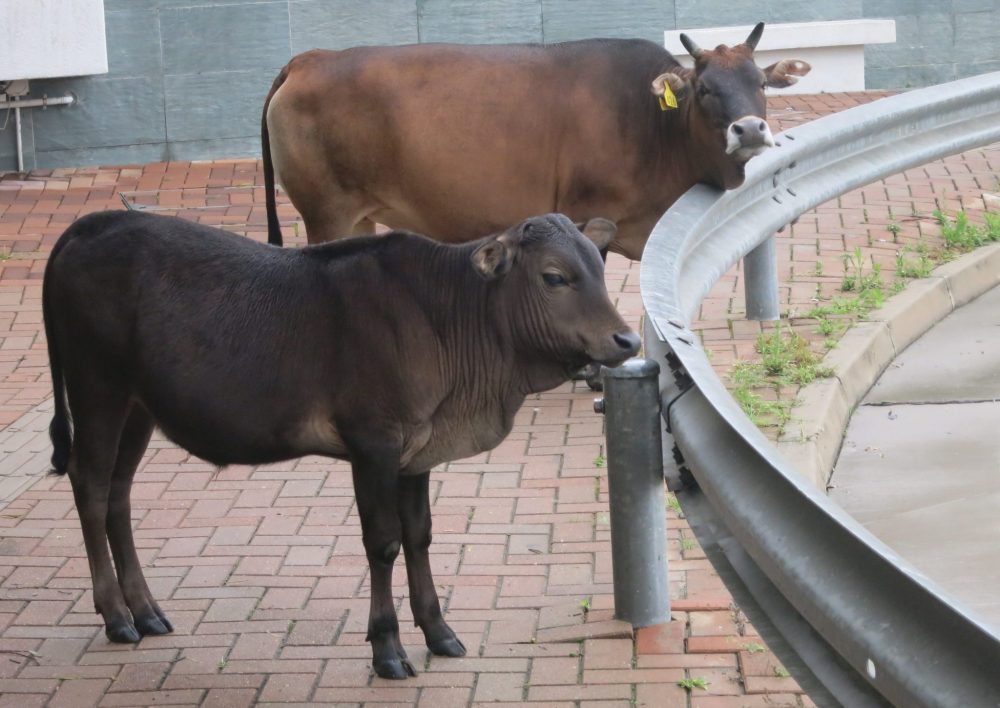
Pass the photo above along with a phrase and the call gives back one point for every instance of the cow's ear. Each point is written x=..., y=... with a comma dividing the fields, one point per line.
x=495, y=256
x=678, y=81
x=600, y=231
x=786, y=72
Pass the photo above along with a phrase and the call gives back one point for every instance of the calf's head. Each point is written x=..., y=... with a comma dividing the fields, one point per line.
x=549, y=293
x=724, y=93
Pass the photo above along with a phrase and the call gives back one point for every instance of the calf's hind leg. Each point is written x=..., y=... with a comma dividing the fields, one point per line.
x=99, y=413
x=147, y=616
x=415, y=516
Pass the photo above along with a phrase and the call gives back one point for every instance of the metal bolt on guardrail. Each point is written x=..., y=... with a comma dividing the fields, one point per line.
x=636, y=492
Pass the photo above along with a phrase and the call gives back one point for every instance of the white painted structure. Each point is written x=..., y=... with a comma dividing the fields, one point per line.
x=42, y=39
x=835, y=49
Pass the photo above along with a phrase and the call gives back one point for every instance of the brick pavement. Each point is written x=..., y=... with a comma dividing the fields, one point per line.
x=261, y=569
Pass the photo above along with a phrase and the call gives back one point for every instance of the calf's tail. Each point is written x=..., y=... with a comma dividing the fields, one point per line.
x=273, y=227
x=60, y=431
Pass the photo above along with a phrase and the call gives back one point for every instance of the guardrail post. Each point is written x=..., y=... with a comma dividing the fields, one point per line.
x=760, y=281
x=631, y=405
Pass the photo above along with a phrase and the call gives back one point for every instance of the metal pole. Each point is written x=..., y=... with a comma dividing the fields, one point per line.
x=20, y=146
x=636, y=489
x=760, y=278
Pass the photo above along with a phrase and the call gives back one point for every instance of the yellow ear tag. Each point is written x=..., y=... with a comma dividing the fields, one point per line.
x=667, y=100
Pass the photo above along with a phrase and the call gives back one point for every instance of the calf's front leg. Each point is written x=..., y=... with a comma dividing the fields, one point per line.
x=376, y=477
x=415, y=516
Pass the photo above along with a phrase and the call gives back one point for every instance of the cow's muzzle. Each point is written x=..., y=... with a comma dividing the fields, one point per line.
x=748, y=137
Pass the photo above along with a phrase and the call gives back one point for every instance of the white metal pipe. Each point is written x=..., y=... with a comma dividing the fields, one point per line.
x=18, y=104
x=42, y=102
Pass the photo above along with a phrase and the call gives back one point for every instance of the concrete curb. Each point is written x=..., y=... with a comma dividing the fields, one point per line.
x=811, y=442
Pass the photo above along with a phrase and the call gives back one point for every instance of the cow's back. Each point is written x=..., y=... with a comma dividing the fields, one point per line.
x=458, y=141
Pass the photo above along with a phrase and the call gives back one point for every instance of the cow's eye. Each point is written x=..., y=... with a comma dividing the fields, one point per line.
x=702, y=91
x=553, y=280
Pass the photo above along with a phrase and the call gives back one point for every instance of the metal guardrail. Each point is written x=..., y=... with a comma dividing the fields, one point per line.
x=862, y=625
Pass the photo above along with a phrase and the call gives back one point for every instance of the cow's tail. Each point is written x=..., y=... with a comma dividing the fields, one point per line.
x=273, y=226
x=60, y=431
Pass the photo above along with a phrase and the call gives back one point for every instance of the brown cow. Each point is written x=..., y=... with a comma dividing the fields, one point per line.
x=460, y=141
x=396, y=353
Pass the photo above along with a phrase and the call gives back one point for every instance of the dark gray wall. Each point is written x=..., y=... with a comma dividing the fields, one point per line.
x=187, y=78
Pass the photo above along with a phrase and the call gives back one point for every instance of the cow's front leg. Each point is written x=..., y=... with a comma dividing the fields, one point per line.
x=376, y=477
x=415, y=515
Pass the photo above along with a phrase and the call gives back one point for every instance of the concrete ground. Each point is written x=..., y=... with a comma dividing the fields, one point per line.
x=920, y=465
x=261, y=569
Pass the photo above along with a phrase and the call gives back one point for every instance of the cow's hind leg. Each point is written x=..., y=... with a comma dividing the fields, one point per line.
x=415, y=515
x=147, y=616
x=376, y=476
x=99, y=411
x=338, y=215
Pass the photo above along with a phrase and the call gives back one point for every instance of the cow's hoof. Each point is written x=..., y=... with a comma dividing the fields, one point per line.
x=395, y=669
x=122, y=633
x=447, y=646
x=153, y=624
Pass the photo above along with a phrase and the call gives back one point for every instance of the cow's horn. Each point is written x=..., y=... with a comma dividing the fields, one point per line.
x=754, y=37
x=693, y=49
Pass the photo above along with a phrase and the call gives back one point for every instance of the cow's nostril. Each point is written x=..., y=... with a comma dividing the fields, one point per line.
x=738, y=129
x=628, y=341
x=762, y=126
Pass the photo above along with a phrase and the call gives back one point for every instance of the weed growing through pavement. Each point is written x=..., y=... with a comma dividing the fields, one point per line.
x=675, y=506
x=785, y=360
x=4, y=254
x=919, y=267
x=867, y=293
x=689, y=684
x=754, y=648
x=855, y=277
x=961, y=236
x=781, y=672
x=864, y=285
x=600, y=461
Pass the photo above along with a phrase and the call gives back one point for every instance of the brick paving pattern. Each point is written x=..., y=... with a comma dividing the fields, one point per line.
x=261, y=569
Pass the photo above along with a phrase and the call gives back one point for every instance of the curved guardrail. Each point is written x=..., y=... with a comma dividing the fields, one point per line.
x=864, y=627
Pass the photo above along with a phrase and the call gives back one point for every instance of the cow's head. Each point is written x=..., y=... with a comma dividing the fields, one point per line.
x=724, y=97
x=550, y=296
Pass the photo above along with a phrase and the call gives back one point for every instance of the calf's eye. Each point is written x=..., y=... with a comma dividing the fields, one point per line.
x=553, y=280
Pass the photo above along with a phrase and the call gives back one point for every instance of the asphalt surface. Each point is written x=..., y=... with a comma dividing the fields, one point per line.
x=920, y=463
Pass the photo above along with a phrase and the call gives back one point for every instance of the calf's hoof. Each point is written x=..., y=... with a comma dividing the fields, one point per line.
x=447, y=646
x=153, y=624
x=122, y=633
x=398, y=668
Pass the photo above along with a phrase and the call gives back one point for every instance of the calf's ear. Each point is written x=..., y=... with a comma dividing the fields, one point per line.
x=495, y=256
x=600, y=231
x=786, y=72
